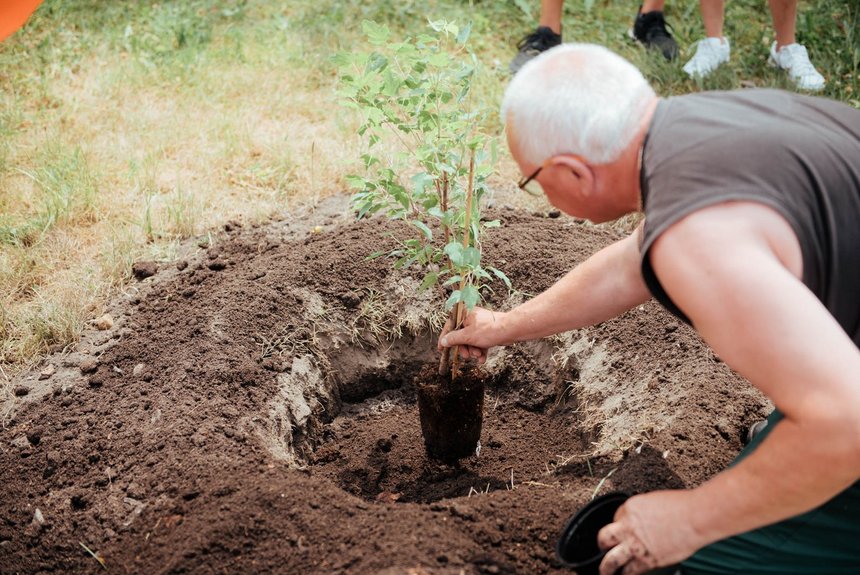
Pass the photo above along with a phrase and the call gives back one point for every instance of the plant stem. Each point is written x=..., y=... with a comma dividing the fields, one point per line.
x=467, y=227
x=444, y=361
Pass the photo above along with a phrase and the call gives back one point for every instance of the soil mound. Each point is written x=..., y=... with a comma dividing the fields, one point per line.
x=252, y=410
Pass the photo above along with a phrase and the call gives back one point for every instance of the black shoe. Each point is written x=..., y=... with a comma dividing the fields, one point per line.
x=650, y=30
x=538, y=41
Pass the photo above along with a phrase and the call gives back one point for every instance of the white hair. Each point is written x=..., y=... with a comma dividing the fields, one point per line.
x=575, y=99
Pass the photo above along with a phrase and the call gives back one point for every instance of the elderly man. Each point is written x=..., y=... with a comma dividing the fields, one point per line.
x=751, y=234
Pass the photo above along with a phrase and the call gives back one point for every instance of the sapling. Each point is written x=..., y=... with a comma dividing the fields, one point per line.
x=419, y=91
x=416, y=95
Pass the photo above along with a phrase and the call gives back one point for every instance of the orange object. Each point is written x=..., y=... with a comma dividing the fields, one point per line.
x=13, y=14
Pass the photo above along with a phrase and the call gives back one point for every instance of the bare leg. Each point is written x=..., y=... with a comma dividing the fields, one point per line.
x=653, y=6
x=712, y=16
x=550, y=14
x=784, y=13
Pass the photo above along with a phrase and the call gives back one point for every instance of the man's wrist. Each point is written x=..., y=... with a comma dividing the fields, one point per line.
x=506, y=326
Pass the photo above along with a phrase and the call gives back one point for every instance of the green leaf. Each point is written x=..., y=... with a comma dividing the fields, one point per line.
x=454, y=251
x=471, y=257
x=376, y=34
x=470, y=296
x=452, y=280
x=456, y=297
x=424, y=229
x=421, y=181
x=341, y=59
x=429, y=280
x=356, y=182
x=404, y=262
x=463, y=36
x=440, y=60
x=492, y=224
x=499, y=274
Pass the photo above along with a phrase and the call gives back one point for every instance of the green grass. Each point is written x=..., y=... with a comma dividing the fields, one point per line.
x=128, y=126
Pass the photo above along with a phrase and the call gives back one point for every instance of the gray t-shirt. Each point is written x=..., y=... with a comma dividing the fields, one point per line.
x=798, y=154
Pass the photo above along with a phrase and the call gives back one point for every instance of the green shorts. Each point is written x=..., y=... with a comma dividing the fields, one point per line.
x=824, y=541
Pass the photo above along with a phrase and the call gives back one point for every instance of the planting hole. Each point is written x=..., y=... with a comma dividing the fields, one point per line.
x=373, y=448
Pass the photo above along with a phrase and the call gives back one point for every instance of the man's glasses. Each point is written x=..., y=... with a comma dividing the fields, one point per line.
x=529, y=185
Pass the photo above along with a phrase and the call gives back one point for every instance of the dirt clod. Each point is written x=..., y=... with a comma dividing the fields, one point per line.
x=21, y=390
x=89, y=365
x=143, y=270
x=104, y=322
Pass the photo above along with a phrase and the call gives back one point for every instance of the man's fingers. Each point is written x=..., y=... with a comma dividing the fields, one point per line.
x=445, y=329
x=609, y=536
x=615, y=559
x=452, y=338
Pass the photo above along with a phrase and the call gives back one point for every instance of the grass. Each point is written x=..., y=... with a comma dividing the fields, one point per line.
x=126, y=127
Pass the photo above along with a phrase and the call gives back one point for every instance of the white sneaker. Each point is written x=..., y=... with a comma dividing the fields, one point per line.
x=710, y=53
x=795, y=60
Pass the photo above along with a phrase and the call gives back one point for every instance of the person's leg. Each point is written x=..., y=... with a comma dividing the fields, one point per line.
x=784, y=14
x=550, y=14
x=786, y=53
x=652, y=6
x=713, y=15
x=649, y=28
x=547, y=34
x=714, y=50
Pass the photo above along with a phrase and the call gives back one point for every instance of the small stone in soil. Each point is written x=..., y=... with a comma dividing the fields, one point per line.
x=554, y=213
x=21, y=390
x=89, y=365
x=47, y=372
x=217, y=265
x=103, y=323
x=181, y=265
x=143, y=270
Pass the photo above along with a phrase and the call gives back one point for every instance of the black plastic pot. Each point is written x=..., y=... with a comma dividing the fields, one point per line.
x=577, y=547
x=451, y=417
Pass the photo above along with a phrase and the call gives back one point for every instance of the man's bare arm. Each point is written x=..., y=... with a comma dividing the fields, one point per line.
x=604, y=286
x=729, y=270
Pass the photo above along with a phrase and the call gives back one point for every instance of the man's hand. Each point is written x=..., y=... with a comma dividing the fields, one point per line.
x=481, y=330
x=651, y=530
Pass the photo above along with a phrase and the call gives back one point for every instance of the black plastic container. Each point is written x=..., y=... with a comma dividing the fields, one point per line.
x=577, y=547
x=451, y=416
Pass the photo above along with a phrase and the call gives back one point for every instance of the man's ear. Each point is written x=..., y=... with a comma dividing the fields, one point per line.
x=576, y=168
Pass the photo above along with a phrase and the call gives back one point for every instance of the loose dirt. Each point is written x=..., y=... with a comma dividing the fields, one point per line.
x=252, y=410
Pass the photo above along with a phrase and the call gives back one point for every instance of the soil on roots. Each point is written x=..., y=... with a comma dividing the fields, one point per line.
x=253, y=411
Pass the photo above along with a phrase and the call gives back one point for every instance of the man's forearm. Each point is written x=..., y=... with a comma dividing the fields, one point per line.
x=797, y=468
x=604, y=286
